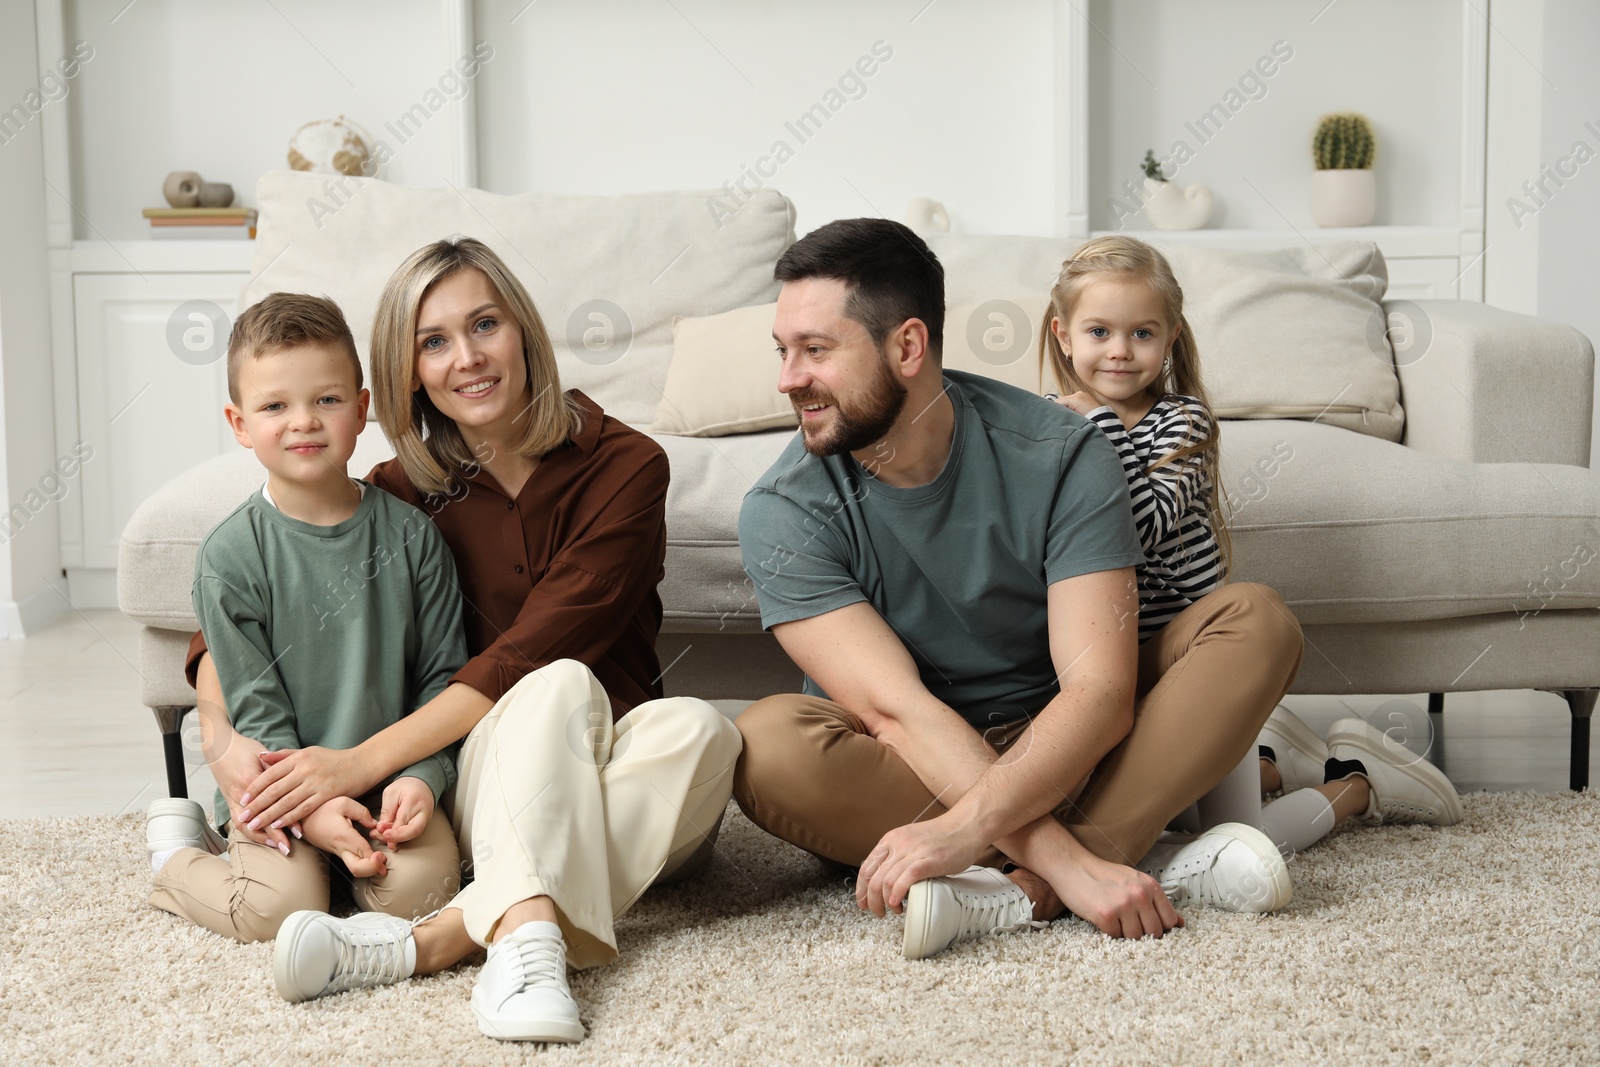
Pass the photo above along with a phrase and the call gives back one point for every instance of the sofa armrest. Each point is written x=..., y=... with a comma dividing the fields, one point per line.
x=1486, y=385
x=155, y=562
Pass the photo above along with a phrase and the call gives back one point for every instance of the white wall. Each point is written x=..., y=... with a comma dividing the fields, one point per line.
x=1569, y=227
x=30, y=555
x=1544, y=98
x=220, y=88
x=641, y=95
x=609, y=96
x=1158, y=65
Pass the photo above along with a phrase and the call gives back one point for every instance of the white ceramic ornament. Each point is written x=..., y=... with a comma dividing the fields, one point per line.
x=1170, y=208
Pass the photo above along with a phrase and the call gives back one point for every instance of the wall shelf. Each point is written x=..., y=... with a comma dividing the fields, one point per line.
x=1114, y=101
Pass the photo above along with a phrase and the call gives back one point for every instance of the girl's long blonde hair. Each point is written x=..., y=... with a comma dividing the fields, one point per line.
x=1115, y=254
x=427, y=442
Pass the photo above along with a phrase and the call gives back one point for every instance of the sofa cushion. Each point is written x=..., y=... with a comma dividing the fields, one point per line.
x=1349, y=528
x=607, y=273
x=705, y=586
x=724, y=377
x=704, y=580
x=1292, y=332
x=1352, y=529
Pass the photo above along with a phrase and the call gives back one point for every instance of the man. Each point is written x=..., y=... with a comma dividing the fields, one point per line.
x=950, y=561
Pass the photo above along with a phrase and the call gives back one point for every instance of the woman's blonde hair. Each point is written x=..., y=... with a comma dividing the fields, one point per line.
x=1115, y=254
x=427, y=442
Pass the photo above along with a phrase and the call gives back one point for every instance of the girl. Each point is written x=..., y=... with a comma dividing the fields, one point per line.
x=1115, y=339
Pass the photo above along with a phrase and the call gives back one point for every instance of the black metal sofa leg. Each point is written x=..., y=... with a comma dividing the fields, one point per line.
x=1581, y=704
x=1435, y=753
x=170, y=719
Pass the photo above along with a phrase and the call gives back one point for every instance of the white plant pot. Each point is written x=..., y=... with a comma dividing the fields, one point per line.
x=1171, y=208
x=1343, y=197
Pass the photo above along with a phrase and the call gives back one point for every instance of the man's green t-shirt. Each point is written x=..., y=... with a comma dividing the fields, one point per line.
x=1031, y=494
x=324, y=635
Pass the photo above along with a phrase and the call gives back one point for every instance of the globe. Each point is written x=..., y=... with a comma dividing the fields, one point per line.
x=331, y=146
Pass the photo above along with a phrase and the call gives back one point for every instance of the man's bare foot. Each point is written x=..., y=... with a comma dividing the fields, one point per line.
x=1046, y=905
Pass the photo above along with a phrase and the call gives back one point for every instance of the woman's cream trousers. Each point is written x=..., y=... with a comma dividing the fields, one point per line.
x=555, y=800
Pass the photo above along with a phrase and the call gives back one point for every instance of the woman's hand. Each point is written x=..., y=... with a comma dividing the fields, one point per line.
x=235, y=762
x=293, y=783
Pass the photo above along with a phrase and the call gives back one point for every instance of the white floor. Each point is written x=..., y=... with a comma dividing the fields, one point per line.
x=74, y=739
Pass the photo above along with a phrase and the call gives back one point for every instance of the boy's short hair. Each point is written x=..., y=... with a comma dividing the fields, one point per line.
x=286, y=320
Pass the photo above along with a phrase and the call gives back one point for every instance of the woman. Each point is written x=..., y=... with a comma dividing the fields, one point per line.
x=555, y=514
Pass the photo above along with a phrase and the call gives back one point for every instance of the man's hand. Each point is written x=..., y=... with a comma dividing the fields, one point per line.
x=1119, y=900
x=1081, y=402
x=407, y=806
x=908, y=854
x=332, y=828
x=294, y=782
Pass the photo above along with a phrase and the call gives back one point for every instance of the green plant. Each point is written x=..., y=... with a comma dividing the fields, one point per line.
x=1343, y=142
x=1152, y=166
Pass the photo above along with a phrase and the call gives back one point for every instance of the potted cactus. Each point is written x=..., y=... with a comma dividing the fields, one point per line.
x=1169, y=207
x=1343, y=191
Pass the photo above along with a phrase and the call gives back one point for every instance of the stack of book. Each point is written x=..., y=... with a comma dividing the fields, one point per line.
x=202, y=223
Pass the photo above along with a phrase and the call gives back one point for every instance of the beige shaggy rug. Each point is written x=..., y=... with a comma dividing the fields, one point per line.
x=1473, y=945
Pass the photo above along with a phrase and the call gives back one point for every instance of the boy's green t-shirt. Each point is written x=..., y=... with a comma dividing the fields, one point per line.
x=1031, y=494
x=325, y=635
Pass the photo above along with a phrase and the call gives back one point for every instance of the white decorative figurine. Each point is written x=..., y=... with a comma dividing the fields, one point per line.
x=1167, y=206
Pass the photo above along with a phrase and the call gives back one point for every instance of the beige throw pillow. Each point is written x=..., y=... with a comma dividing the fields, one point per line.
x=998, y=339
x=1295, y=333
x=723, y=378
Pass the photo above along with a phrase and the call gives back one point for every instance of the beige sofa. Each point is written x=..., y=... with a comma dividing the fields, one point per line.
x=1454, y=558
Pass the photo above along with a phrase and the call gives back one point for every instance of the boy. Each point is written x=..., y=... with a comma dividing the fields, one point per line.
x=331, y=610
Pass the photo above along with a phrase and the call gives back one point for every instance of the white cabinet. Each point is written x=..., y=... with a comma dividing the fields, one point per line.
x=1431, y=278
x=152, y=380
x=141, y=362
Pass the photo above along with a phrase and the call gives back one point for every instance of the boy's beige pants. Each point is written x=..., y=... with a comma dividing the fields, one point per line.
x=555, y=800
x=247, y=893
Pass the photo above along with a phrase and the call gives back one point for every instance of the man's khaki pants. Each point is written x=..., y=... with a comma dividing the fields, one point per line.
x=814, y=777
x=555, y=800
x=247, y=893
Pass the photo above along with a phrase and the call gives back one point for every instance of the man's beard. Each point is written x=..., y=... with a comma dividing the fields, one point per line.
x=863, y=422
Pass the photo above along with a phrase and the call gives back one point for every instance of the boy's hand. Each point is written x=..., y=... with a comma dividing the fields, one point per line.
x=1081, y=402
x=330, y=829
x=407, y=807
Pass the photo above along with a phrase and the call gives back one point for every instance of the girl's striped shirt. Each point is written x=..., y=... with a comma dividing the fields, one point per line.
x=1171, y=507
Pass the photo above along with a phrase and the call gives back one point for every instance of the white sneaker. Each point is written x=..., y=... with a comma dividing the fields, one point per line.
x=1297, y=751
x=177, y=822
x=317, y=954
x=522, y=992
x=959, y=907
x=1232, y=866
x=1405, y=788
